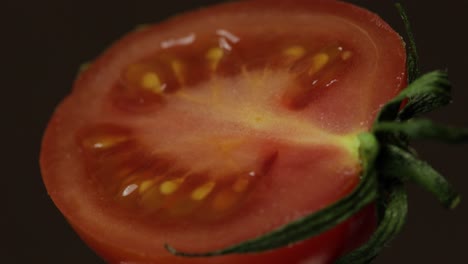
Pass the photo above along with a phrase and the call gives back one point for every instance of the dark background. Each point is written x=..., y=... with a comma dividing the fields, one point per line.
x=44, y=42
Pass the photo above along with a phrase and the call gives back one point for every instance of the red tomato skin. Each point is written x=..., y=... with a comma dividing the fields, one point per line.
x=322, y=249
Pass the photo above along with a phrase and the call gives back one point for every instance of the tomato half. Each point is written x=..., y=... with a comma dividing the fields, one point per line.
x=220, y=125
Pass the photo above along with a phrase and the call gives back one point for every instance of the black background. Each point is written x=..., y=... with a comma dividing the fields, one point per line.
x=44, y=42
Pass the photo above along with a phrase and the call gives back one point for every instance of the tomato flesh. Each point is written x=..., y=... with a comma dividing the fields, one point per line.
x=220, y=125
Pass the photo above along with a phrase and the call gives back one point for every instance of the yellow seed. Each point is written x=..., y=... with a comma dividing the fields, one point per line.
x=346, y=55
x=169, y=187
x=318, y=62
x=150, y=81
x=177, y=68
x=240, y=185
x=145, y=185
x=203, y=191
x=214, y=56
x=294, y=51
x=103, y=142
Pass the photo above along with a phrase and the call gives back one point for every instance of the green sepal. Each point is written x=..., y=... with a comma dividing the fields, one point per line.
x=412, y=62
x=425, y=94
x=431, y=92
x=424, y=129
x=404, y=165
x=318, y=222
x=395, y=208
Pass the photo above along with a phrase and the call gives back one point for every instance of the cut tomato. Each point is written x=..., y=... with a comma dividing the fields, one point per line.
x=220, y=125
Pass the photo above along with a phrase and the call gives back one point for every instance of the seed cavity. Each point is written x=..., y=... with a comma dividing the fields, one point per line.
x=203, y=191
x=145, y=86
x=313, y=73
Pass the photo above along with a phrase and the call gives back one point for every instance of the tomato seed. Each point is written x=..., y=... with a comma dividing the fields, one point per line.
x=145, y=185
x=151, y=82
x=178, y=69
x=294, y=52
x=214, y=56
x=203, y=191
x=169, y=187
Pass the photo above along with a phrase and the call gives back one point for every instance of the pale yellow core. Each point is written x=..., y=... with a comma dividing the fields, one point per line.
x=318, y=62
x=145, y=185
x=151, y=82
x=169, y=187
x=103, y=142
x=214, y=56
x=294, y=51
x=240, y=185
x=346, y=55
x=203, y=191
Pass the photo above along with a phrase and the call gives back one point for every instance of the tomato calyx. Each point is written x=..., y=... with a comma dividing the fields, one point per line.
x=388, y=163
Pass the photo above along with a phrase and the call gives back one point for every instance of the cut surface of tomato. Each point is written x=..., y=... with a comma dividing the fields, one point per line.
x=221, y=125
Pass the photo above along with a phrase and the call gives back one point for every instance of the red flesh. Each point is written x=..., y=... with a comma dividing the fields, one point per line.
x=296, y=173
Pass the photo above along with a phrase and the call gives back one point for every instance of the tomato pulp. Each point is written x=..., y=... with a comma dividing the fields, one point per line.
x=220, y=125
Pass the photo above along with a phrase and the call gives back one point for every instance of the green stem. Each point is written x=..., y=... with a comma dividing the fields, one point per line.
x=402, y=164
x=413, y=57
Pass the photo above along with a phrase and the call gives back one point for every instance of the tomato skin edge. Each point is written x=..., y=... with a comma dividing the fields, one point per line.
x=348, y=236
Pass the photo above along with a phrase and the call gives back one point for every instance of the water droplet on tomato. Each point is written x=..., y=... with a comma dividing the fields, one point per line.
x=129, y=189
